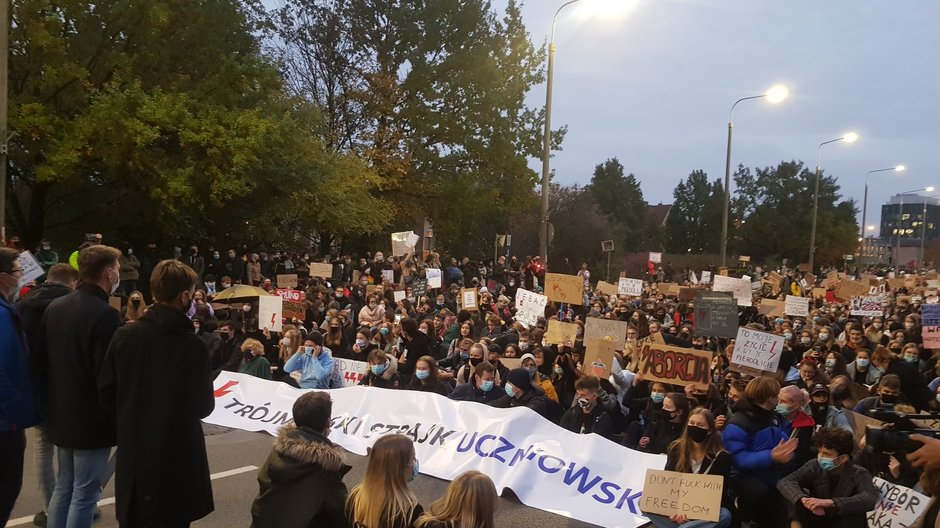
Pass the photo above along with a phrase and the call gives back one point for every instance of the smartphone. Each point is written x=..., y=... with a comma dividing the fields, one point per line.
x=397, y=318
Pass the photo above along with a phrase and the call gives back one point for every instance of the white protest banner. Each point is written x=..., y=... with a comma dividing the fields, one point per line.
x=756, y=352
x=656, y=258
x=897, y=507
x=530, y=306
x=584, y=477
x=797, y=306
x=706, y=277
x=270, y=308
x=867, y=306
x=739, y=288
x=30, y=266
x=632, y=287
x=669, y=493
x=433, y=275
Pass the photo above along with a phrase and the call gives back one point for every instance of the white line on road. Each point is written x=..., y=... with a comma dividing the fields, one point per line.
x=110, y=500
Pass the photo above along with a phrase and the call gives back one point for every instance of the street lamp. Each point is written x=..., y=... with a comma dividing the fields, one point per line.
x=897, y=257
x=774, y=95
x=849, y=137
x=897, y=168
x=619, y=6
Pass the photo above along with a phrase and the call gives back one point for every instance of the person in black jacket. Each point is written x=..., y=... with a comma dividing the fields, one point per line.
x=913, y=384
x=162, y=476
x=301, y=482
x=60, y=281
x=425, y=378
x=521, y=393
x=383, y=371
x=667, y=426
x=414, y=345
x=587, y=416
x=77, y=331
x=482, y=387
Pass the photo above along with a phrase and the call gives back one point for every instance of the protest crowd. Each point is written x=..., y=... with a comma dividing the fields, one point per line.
x=807, y=394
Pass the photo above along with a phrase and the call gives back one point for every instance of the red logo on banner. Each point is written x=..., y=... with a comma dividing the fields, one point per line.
x=224, y=389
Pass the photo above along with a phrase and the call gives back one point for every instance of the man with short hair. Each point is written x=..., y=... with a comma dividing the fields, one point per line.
x=162, y=476
x=587, y=416
x=77, y=330
x=482, y=388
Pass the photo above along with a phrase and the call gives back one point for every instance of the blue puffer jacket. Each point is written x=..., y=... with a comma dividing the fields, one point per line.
x=19, y=406
x=750, y=435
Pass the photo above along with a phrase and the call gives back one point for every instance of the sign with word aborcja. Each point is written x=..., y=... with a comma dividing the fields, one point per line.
x=679, y=366
x=756, y=352
x=584, y=477
x=669, y=493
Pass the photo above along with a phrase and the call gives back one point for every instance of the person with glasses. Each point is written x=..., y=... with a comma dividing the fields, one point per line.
x=19, y=406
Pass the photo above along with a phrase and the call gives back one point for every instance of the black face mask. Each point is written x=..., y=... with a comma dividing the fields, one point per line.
x=889, y=398
x=697, y=434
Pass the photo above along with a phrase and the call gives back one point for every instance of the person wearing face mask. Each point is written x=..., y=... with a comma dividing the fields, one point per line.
x=313, y=361
x=383, y=371
x=910, y=354
x=759, y=446
x=425, y=378
x=666, y=425
x=475, y=355
x=888, y=395
x=824, y=414
x=587, y=416
x=875, y=332
x=253, y=361
x=698, y=451
x=373, y=313
x=494, y=356
x=383, y=499
x=483, y=387
x=519, y=392
x=912, y=330
x=539, y=380
x=74, y=340
x=830, y=491
x=834, y=364
x=797, y=424
x=913, y=385
x=414, y=344
x=130, y=387
x=861, y=370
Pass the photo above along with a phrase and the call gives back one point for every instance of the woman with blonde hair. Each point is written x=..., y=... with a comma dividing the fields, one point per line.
x=383, y=500
x=290, y=342
x=135, y=307
x=469, y=502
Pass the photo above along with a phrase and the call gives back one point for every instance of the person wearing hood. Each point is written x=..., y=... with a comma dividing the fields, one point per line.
x=415, y=344
x=521, y=393
x=60, y=281
x=314, y=361
x=759, y=447
x=797, y=424
x=383, y=371
x=301, y=482
x=160, y=482
x=537, y=378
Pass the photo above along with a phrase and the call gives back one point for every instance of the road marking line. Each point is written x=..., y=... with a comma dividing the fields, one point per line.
x=111, y=500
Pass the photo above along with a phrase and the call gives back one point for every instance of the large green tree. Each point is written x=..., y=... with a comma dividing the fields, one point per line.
x=432, y=95
x=620, y=198
x=694, y=223
x=773, y=209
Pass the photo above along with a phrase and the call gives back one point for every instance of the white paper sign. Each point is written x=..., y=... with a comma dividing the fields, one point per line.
x=403, y=242
x=656, y=258
x=797, y=306
x=434, y=277
x=740, y=288
x=584, y=477
x=30, y=266
x=399, y=295
x=632, y=287
x=270, y=308
x=388, y=276
x=693, y=278
x=757, y=350
x=706, y=277
x=896, y=507
x=530, y=306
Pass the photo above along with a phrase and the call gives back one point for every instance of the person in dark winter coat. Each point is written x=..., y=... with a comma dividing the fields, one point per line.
x=521, y=393
x=481, y=388
x=383, y=371
x=162, y=476
x=425, y=378
x=667, y=425
x=587, y=416
x=77, y=331
x=415, y=344
x=301, y=482
x=830, y=491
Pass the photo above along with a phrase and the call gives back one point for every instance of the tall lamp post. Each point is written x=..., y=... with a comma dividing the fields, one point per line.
x=850, y=137
x=897, y=257
x=774, y=95
x=897, y=168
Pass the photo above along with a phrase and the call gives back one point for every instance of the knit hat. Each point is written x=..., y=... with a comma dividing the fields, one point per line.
x=520, y=379
x=316, y=337
x=527, y=356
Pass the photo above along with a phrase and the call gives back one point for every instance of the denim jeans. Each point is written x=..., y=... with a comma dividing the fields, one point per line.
x=43, y=453
x=724, y=521
x=82, y=474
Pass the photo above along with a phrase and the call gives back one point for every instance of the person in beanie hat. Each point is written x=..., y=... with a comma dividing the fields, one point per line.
x=521, y=393
x=301, y=482
x=314, y=361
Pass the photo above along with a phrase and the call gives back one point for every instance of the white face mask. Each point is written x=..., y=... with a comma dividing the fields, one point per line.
x=116, y=283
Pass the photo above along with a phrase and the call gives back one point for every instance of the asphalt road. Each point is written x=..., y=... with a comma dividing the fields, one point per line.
x=234, y=457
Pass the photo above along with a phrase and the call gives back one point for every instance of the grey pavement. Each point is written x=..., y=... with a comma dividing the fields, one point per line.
x=233, y=452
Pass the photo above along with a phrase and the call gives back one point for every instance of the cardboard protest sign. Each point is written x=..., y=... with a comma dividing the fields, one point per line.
x=849, y=288
x=756, y=352
x=687, y=294
x=597, y=328
x=287, y=281
x=468, y=299
x=930, y=319
x=31, y=268
x=559, y=333
x=530, y=306
x=797, y=306
x=669, y=289
x=598, y=358
x=270, y=312
x=772, y=307
x=739, y=288
x=679, y=366
x=867, y=306
x=706, y=277
x=832, y=279
x=716, y=316
x=607, y=288
x=810, y=280
x=320, y=269
x=114, y=302
x=293, y=310
x=656, y=258
x=819, y=293
x=564, y=288
x=859, y=422
x=632, y=287
x=669, y=493
x=511, y=363
x=804, y=268
x=433, y=276
x=897, y=506
x=399, y=295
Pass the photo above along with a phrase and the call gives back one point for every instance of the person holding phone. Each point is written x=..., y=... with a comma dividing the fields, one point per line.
x=314, y=361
